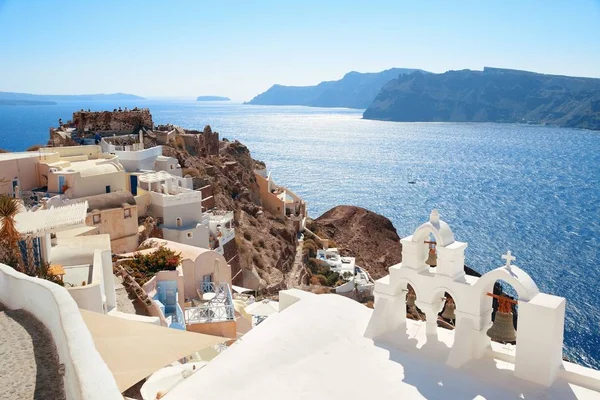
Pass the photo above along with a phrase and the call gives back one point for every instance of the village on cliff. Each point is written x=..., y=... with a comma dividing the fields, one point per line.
x=157, y=262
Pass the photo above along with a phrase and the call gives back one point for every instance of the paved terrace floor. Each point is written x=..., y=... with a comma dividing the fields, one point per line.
x=28, y=358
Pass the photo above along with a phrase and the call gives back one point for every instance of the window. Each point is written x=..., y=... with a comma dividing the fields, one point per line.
x=190, y=235
x=206, y=283
x=97, y=219
x=171, y=166
x=178, y=222
x=127, y=213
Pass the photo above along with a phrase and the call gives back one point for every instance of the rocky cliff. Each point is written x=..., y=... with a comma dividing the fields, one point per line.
x=363, y=234
x=266, y=246
x=354, y=90
x=491, y=95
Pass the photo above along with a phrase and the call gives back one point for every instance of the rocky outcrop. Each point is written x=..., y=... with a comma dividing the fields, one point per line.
x=128, y=121
x=266, y=245
x=363, y=234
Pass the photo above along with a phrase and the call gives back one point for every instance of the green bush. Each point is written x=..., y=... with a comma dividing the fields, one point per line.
x=332, y=279
x=310, y=248
x=145, y=266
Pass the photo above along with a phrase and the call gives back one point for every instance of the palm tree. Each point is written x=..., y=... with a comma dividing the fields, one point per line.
x=9, y=208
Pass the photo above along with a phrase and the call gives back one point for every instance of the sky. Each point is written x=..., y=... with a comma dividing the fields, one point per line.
x=238, y=49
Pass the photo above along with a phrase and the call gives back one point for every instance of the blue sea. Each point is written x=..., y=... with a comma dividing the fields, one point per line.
x=534, y=190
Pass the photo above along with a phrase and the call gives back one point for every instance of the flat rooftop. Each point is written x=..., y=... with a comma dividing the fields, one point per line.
x=78, y=250
x=87, y=167
x=18, y=155
x=315, y=349
x=77, y=274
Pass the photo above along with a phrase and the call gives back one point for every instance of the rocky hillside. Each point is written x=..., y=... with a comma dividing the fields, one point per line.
x=363, y=234
x=354, y=90
x=266, y=246
x=491, y=95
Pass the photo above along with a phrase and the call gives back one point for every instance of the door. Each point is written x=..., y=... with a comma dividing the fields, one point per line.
x=61, y=184
x=15, y=184
x=107, y=188
x=206, y=280
x=133, y=180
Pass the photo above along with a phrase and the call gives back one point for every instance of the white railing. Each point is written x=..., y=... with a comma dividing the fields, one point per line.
x=227, y=235
x=214, y=313
x=218, y=309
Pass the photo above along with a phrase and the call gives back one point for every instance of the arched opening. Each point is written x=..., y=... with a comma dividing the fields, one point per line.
x=412, y=311
x=178, y=222
x=428, y=240
x=447, y=317
x=504, y=301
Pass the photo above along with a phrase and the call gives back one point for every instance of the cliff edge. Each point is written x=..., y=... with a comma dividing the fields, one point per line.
x=360, y=233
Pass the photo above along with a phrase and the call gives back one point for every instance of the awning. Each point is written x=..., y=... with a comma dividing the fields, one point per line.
x=53, y=220
x=134, y=350
x=240, y=289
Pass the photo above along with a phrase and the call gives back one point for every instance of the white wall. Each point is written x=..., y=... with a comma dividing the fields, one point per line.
x=86, y=374
x=199, y=236
x=88, y=297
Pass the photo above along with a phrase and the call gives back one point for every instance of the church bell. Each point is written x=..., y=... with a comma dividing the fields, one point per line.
x=432, y=258
x=503, y=330
x=449, y=308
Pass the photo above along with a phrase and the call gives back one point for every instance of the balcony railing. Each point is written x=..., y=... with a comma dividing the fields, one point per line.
x=209, y=313
x=218, y=309
x=227, y=235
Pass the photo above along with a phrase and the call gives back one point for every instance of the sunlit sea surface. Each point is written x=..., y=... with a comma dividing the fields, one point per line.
x=531, y=189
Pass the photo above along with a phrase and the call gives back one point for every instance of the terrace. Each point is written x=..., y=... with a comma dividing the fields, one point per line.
x=214, y=304
x=220, y=224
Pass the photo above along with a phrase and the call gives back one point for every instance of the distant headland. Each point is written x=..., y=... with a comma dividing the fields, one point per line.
x=354, y=90
x=491, y=95
x=14, y=98
x=213, y=98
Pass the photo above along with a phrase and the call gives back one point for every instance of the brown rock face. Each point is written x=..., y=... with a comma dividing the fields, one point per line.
x=265, y=246
x=363, y=234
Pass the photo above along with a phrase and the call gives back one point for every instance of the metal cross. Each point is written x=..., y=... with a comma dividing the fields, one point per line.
x=508, y=257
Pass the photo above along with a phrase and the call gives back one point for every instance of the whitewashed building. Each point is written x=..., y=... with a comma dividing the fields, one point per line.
x=184, y=220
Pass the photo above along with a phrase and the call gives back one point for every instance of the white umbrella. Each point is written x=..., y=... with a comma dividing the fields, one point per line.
x=263, y=308
x=166, y=378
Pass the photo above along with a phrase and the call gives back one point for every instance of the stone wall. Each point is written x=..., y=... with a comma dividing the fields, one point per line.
x=113, y=121
x=202, y=144
x=208, y=199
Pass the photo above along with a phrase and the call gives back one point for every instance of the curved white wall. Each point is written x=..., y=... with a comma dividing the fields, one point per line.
x=86, y=374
